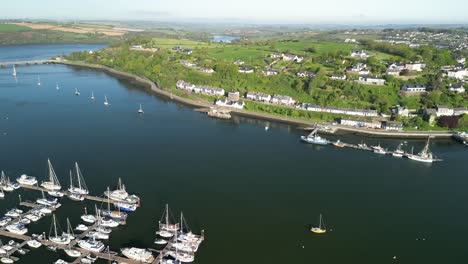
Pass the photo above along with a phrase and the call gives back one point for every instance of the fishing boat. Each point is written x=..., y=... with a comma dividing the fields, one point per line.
x=17, y=228
x=53, y=183
x=88, y=218
x=314, y=138
x=91, y=244
x=338, y=144
x=106, y=103
x=92, y=95
x=38, y=80
x=81, y=228
x=140, y=111
x=321, y=228
x=121, y=195
x=77, y=92
x=27, y=180
x=166, y=229
x=424, y=156
x=399, y=152
x=138, y=254
x=14, y=71
x=61, y=240
x=34, y=243
x=81, y=187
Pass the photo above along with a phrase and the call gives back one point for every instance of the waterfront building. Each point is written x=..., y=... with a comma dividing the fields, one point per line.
x=227, y=103
x=391, y=125
x=256, y=96
x=233, y=96
x=361, y=123
x=282, y=99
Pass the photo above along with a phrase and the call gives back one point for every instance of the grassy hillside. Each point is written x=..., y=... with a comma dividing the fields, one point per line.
x=12, y=28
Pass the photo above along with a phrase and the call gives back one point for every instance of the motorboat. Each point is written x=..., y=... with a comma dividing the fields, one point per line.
x=27, y=180
x=72, y=253
x=140, y=110
x=108, y=222
x=338, y=144
x=17, y=228
x=160, y=241
x=115, y=215
x=25, y=221
x=97, y=235
x=47, y=201
x=34, y=243
x=138, y=254
x=76, y=197
x=6, y=260
x=56, y=193
x=314, y=138
x=81, y=228
x=91, y=244
x=91, y=219
x=5, y=220
x=398, y=151
x=32, y=217
x=14, y=213
x=126, y=207
x=104, y=230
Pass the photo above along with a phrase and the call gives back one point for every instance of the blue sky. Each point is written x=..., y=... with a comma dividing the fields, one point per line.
x=260, y=11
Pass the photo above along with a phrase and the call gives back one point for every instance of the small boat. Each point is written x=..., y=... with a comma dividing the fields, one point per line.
x=6, y=260
x=38, y=80
x=13, y=213
x=363, y=146
x=45, y=210
x=6, y=184
x=57, y=86
x=138, y=254
x=108, y=222
x=22, y=251
x=126, y=207
x=2, y=194
x=76, y=197
x=53, y=183
x=73, y=253
x=61, y=240
x=52, y=248
x=267, y=128
x=25, y=221
x=424, y=156
x=17, y=228
x=91, y=244
x=32, y=217
x=106, y=103
x=97, y=235
x=121, y=195
x=338, y=144
x=140, y=111
x=398, y=151
x=81, y=228
x=56, y=193
x=27, y=180
x=88, y=218
x=34, y=243
x=160, y=241
x=314, y=138
x=60, y=261
x=104, y=230
x=77, y=92
x=92, y=257
x=465, y=143
x=80, y=187
x=5, y=220
x=321, y=228
x=14, y=71
x=380, y=151
x=92, y=95
x=47, y=201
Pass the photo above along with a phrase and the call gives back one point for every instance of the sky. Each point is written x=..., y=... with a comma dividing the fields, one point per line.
x=244, y=11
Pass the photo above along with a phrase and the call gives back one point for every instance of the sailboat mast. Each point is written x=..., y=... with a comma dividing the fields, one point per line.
x=78, y=174
x=320, y=222
x=167, y=215
x=108, y=201
x=55, y=226
x=71, y=180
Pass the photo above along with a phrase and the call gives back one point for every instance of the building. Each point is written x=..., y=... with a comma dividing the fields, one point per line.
x=245, y=70
x=400, y=110
x=456, y=88
x=276, y=55
x=227, y=103
x=233, y=96
x=239, y=62
x=359, y=68
x=361, y=123
x=188, y=63
x=306, y=74
x=415, y=66
x=394, y=126
x=136, y=47
x=291, y=57
x=430, y=115
x=350, y=40
x=371, y=80
x=457, y=74
x=460, y=111
x=395, y=69
x=256, y=96
x=461, y=60
x=206, y=70
x=413, y=88
x=213, y=91
x=362, y=54
x=343, y=111
x=444, y=111
x=187, y=51
x=269, y=72
x=338, y=77
x=282, y=99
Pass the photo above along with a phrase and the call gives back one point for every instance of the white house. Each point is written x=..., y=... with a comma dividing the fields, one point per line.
x=282, y=99
x=457, y=88
x=226, y=103
x=458, y=74
x=306, y=74
x=269, y=72
x=360, y=123
x=276, y=55
x=291, y=57
x=461, y=60
x=344, y=111
x=338, y=77
x=256, y=96
x=239, y=62
x=460, y=111
x=444, y=111
x=389, y=125
x=415, y=66
x=394, y=69
x=371, y=80
x=245, y=70
x=413, y=88
x=362, y=54
x=350, y=40
x=206, y=70
x=187, y=51
x=200, y=89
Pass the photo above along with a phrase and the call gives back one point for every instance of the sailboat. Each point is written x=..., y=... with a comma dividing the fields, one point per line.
x=314, y=138
x=53, y=183
x=424, y=156
x=140, y=111
x=14, y=70
x=121, y=195
x=321, y=228
x=106, y=103
x=115, y=215
x=38, y=80
x=6, y=184
x=92, y=95
x=81, y=189
x=166, y=229
x=62, y=240
x=69, y=232
x=47, y=201
x=398, y=151
x=88, y=218
x=72, y=195
x=77, y=92
x=57, y=86
x=188, y=240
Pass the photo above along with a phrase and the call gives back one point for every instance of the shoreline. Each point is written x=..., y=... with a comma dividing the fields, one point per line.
x=302, y=124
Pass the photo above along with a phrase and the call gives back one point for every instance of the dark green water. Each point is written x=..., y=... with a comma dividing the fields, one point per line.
x=255, y=192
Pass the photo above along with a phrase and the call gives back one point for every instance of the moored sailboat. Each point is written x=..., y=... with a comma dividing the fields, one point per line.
x=321, y=228
x=166, y=229
x=53, y=183
x=140, y=110
x=61, y=240
x=81, y=188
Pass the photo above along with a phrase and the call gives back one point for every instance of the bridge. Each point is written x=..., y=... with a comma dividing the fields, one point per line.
x=27, y=62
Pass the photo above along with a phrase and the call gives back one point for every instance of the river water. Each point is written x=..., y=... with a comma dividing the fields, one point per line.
x=254, y=192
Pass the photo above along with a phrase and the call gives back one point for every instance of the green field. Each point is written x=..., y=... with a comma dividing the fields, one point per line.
x=169, y=43
x=12, y=28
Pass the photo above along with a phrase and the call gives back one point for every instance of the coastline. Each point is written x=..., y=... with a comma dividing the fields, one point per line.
x=302, y=124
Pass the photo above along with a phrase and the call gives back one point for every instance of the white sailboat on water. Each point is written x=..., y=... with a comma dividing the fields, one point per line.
x=321, y=228
x=106, y=103
x=77, y=92
x=424, y=156
x=53, y=183
x=38, y=80
x=92, y=95
x=81, y=189
x=57, y=86
x=62, y=240
x=166, y=229
x=140, y=111
x=14, y=70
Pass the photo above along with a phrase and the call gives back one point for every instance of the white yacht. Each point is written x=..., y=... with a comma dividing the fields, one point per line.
x=121, y=194
x=80, y=187
x=14, y=213
x=97, y=235
x=182, y=256
x=73, y=253
x=6, y=260
x=27, y=180
x=91, y=244
x=81, y=228
x=53, y=183
x=160, y=241
x=38, y=80
x=34, y=243
x=17, y=228
x=138, y=254
x=14, y=71
x=56, y=193
x=88, y=218
x=5, y=220
x=47, y=201
x=166, y=229
x=2, y=194
x=57, y=86
x=61, y=240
